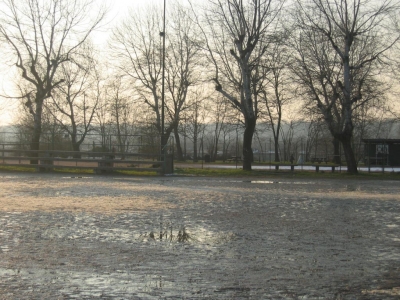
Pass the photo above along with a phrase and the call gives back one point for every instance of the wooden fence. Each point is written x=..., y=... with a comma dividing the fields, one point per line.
x=100, y=162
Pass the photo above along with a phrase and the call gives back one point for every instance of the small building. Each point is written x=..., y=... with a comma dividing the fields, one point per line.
x=382, y=152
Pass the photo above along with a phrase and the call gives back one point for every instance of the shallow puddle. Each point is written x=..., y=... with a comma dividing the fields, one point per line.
x=198, y=239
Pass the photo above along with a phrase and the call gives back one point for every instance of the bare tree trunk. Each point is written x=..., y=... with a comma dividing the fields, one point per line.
x=37, y=131
x=276, y=148
x=336, y=151
x=179, y=151
x=349, y=154
x=195, y=148
x=247, y=143
x=75, y=146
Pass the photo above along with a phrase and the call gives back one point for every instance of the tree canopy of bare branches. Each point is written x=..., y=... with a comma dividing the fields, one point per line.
x=276, y=90
x=137, y=44
x=236, y=34
x=40, y=36
x=342, y=47
x=75, y=100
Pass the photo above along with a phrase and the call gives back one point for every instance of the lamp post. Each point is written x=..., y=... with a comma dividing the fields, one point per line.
x=163, y=89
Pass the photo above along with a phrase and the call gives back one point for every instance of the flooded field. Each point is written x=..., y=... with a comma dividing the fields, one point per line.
x=66, y=237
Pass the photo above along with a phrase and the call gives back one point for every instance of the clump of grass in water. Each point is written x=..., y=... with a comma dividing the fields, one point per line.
x=183, y=236
x=166, y=233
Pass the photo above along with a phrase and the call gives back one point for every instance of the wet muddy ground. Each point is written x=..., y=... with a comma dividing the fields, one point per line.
x=104, y=237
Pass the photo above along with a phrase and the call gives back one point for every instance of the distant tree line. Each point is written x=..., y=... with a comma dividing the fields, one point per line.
x=229, y=64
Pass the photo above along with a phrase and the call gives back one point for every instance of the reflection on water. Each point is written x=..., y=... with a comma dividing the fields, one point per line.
x=174, y=231
x=4, y=248
x=169, y=235
x=120, y=284
x=281, y=182
x=77, y=177
x=219, y=240
x=392, y=225
x=120, y=270
x=90, y=227
x=353, y=187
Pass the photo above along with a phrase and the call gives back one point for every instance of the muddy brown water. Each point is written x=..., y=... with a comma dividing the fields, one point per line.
x=71, y=237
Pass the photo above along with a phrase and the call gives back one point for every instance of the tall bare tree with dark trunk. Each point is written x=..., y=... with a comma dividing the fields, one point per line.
x=137, y=44
x=40, y=36
x=234, y=37
x=341, y=48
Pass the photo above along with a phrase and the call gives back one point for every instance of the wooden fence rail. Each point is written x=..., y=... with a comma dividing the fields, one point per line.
x=100, y=162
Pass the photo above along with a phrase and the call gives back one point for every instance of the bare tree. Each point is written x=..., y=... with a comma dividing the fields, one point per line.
x=181, y=59
x=219, y=114
x=341, y=47
x=123, y=112
x=53, y=136
x=103, y=116
x=138, y=46
x=234, y=38
x=40, y=36
x=74, y=101
x=288, y=133
x=275, y=92
x=195, y=119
